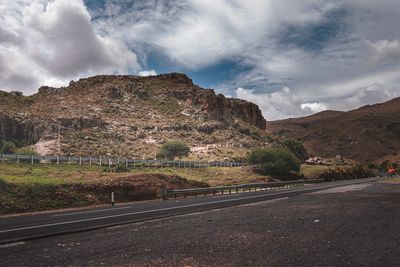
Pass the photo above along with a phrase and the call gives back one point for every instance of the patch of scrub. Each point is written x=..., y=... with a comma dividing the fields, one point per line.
x=342, y=189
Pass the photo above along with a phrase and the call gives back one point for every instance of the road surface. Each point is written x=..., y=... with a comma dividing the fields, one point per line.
x=25, y=227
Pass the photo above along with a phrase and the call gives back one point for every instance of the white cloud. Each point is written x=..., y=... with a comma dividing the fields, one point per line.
x=145, y=73
x=286, y=103
x=195, y=33
x=49, y=43
x=313, y=107
x=276, y=105
x=52, y=42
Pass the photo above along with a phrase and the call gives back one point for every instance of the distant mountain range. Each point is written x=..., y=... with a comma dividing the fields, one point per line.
x=371, y=132
x=131, y=116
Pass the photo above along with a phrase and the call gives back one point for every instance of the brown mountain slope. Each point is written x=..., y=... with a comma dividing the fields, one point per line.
x=369, y=133
x=131, y=116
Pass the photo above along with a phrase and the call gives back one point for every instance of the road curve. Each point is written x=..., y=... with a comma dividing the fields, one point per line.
x=25, y=227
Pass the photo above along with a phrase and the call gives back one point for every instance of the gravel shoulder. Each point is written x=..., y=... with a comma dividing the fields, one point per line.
x=358, y=227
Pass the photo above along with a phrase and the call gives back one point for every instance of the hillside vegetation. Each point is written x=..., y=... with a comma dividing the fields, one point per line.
x=370, y=133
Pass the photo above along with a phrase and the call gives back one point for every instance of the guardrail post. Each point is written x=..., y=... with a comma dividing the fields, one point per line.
x=69, y=160
x=109, y=162
x=80, y=160
x=58, y=160
x=32, y=159
x=134, y=163
x=90, y=161
x=163, y=192
x=100, y=161
x=18, y=159
x=126, y=162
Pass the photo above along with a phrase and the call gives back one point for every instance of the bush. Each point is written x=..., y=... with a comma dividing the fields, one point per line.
x=297, y=148
x=274, y=161
x=8, y=147
x=26, y=151
x=172, y=149
x=120, y=167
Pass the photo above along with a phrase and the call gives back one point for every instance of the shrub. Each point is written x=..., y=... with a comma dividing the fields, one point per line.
x=274, y=161
x=8, y=147
x=296, y=147
x=172, y=149
x=25, y=151
x=120, y=167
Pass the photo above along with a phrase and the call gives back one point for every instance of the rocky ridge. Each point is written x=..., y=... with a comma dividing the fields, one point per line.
x=131, y=116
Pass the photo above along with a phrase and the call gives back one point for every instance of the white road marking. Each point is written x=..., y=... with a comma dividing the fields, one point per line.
x=15, y=244
x=89, y=211
x=165, y=209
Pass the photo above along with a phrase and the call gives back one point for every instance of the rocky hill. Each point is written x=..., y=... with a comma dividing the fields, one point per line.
x=369, y=133
x=131, y=116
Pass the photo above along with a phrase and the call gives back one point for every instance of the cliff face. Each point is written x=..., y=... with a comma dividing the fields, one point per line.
x=132, y=116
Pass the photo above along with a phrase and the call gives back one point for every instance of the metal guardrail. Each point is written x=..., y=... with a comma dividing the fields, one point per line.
x=112, y=162
x=166, y=193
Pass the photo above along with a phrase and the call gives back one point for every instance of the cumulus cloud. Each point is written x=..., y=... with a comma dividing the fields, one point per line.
x=145, y=73
x=286, y=103
x=196, y=34
x=297, y=57
x=313, y=107
x=276, y=105
x=49, y=43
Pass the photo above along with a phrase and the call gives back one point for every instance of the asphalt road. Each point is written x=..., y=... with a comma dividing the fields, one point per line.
x=25, y=227
x=355, y=225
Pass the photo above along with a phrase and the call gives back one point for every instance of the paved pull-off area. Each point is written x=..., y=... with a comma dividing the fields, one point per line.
x=353, y=225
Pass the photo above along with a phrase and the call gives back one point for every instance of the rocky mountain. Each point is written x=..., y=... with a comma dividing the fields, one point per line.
x=369, y=133
x=131, y=116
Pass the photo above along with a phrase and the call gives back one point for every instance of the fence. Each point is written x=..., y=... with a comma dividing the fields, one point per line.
x=165, y=193
x=111, y=162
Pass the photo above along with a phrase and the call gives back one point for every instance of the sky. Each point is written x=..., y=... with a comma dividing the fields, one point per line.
x=291, y=57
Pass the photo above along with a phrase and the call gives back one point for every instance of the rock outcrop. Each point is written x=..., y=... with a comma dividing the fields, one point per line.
x=124, y=115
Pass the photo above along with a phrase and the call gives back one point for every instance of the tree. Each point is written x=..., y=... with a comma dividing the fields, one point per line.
x=8, y=147
x=172, y=149
x=274, y=161
x=297, y=148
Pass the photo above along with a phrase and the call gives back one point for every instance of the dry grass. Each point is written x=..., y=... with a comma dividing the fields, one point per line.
x=392, y=180
x=313, y=171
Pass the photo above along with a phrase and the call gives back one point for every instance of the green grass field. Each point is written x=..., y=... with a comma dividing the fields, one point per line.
x=71, y=174
x=25, y=187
